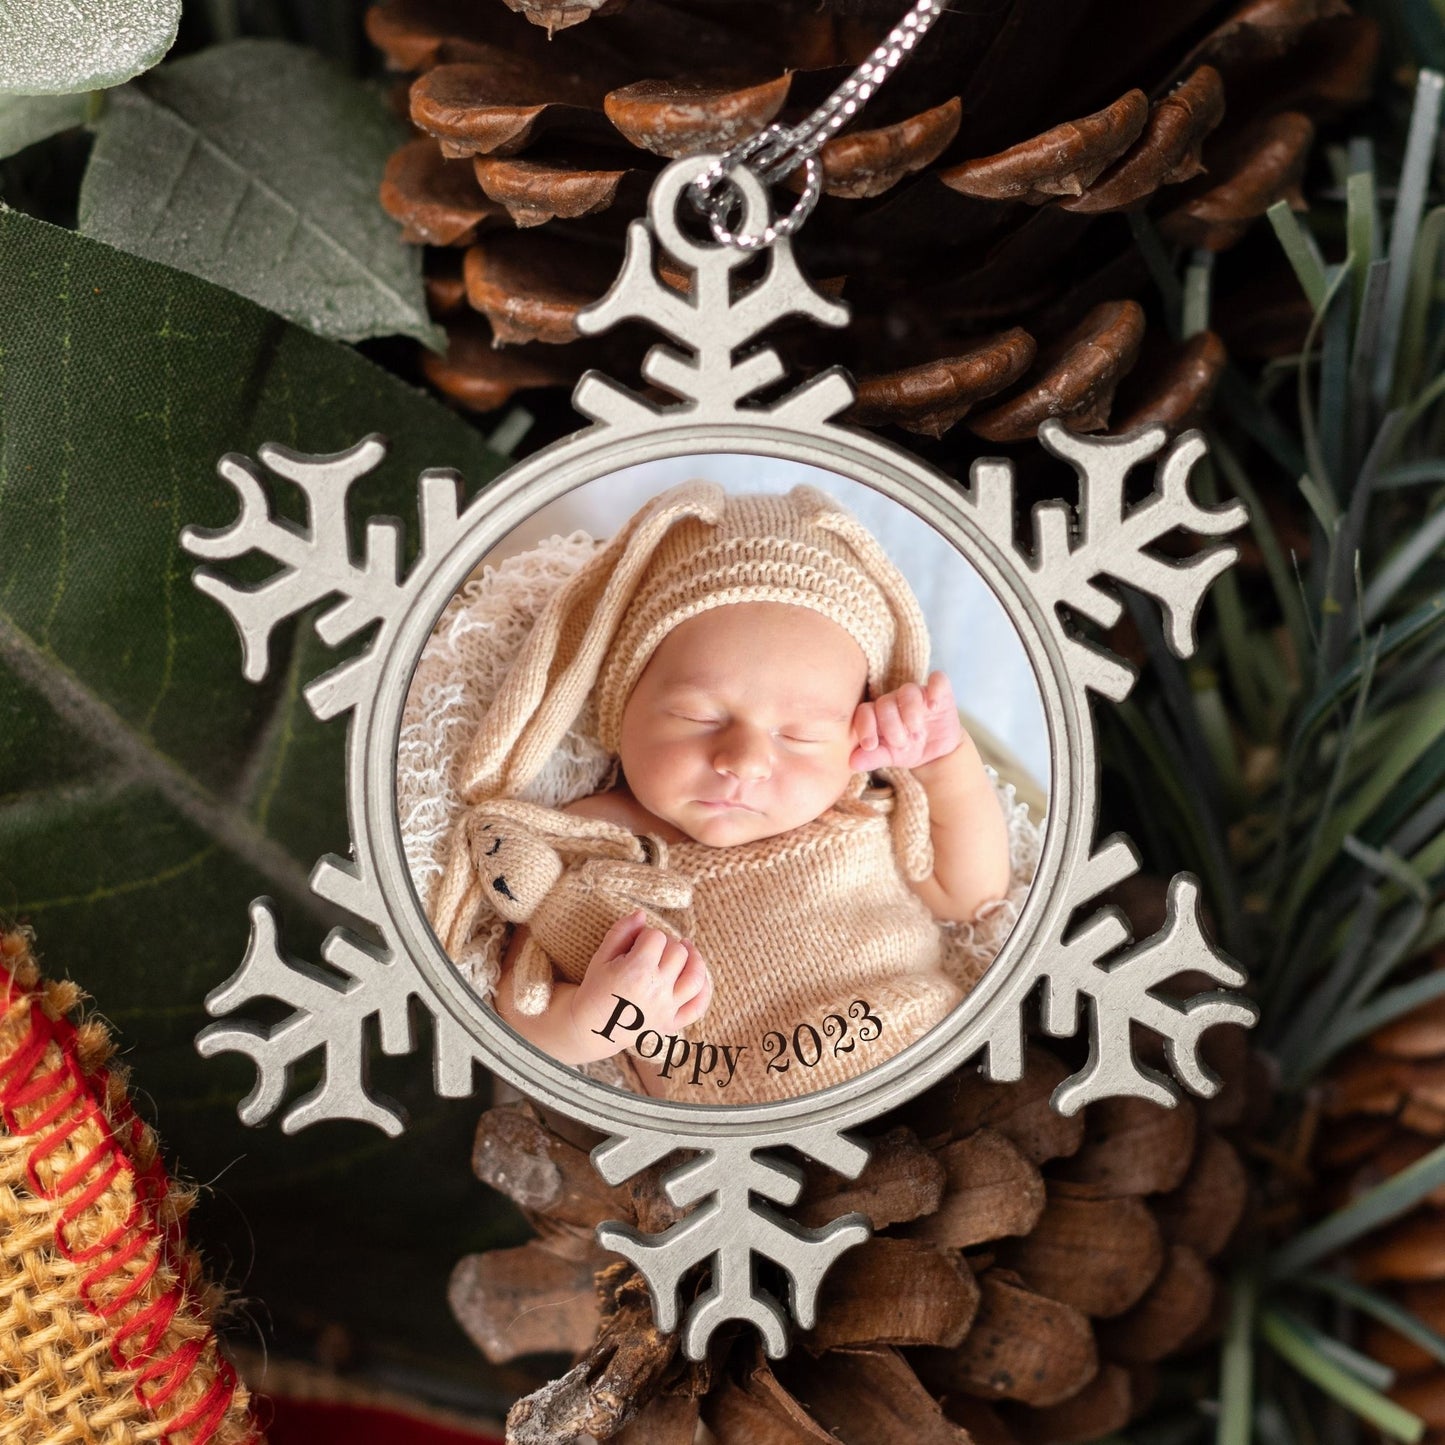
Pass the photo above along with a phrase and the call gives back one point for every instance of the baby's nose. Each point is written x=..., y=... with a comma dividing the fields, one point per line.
x=744, y=755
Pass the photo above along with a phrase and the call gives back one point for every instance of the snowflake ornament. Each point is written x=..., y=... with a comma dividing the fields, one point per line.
x=1068, y=949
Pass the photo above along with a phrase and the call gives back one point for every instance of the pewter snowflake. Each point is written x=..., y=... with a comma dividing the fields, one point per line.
x=716, y=370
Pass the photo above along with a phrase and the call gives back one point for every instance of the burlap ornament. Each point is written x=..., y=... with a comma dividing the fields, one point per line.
x=105, y=1317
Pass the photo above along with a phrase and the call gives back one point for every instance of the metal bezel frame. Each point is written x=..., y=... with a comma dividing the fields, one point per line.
x=859, y=457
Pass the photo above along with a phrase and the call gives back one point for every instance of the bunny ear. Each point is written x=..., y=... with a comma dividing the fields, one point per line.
x=909, y=662
x=558, y=664
x=912, y=841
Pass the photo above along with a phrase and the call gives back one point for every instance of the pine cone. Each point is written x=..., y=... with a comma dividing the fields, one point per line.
x=1385, y=1108
x=1026, y=1273
x=975, y=217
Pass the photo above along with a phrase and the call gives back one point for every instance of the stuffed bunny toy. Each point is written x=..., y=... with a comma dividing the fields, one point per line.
x=569, y=879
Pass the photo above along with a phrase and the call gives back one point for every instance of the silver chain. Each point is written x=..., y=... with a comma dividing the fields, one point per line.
x=777, y=150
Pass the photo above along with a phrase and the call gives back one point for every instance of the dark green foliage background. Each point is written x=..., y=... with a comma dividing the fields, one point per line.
x=147, y=792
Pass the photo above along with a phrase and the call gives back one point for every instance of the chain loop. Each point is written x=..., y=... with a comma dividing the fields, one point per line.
x=779, y=150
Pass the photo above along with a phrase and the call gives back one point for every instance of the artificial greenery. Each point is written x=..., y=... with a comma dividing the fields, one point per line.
x=49, y=49
x=190, y=168
x=1299, y=764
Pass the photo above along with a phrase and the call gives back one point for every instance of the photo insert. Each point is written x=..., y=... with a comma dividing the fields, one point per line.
x=711, y=796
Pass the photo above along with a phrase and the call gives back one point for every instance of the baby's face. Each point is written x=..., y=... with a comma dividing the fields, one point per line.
x=741, y=724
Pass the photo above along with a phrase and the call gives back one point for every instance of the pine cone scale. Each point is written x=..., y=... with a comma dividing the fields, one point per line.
x=1098, y=1255
x=1061, y=161
x=525, y=1301
x=673, y=119
x=896, y=1292
x=871, y=1397
x=1023, y=1346
x=993, y=1190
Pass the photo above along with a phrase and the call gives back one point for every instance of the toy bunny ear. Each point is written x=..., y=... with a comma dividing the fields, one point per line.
x=558, y=664
x=569, y=833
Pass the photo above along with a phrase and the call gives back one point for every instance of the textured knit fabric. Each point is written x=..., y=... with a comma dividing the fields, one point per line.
x=824, y=962
x=693, y=548
x=801, y=549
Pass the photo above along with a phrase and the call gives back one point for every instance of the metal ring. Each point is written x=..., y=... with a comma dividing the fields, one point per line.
x=707, y=181
x=717, y=207
x=784, y=150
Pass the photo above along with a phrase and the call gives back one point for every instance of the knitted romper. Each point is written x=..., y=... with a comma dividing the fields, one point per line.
x=824, y=962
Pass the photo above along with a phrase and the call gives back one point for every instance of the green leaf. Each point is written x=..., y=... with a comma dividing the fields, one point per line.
x=1375, y=1207
x=1382, y=1308
x=1291, y=1339
x=1300, y=250
x=147, y=793
x=28, y=119
x=1236, y=1367
x=192, y=166
x=1383, y=1009
x=49, y=48
x=1405, y=225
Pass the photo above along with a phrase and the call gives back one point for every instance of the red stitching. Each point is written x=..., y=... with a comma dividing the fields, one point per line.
x=207, y=1412
x=157, y=1315
x=30, y=1052
x=47, y=1144
x=174, y=1369
x=38, y=1088
x=118, y=1260
x=81, y=1096
x=53, y=1111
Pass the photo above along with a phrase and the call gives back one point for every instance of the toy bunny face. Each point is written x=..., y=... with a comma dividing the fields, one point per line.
x=517, y=870
x=741, y=724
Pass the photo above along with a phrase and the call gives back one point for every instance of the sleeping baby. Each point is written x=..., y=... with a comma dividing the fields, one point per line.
x=751, y=909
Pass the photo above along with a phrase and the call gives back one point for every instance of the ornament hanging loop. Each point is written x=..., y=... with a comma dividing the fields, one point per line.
x=723, y=197
x=777, y=151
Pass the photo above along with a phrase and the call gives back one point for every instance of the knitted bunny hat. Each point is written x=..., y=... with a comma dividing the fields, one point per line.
x=690, y=549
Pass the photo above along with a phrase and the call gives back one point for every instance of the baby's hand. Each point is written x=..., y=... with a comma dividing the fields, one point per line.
x=665, y=978
x=906, y=728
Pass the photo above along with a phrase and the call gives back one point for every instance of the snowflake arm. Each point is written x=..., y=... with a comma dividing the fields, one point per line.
x=711, y=326
x=1112, y=542
x=329, y=1012
x=732, y=1230
x=315, y=560
x=1121, y=990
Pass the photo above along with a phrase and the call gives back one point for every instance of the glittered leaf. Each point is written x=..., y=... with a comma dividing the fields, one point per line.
x=47, y=48
x=27, y=119
x=191, y=169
